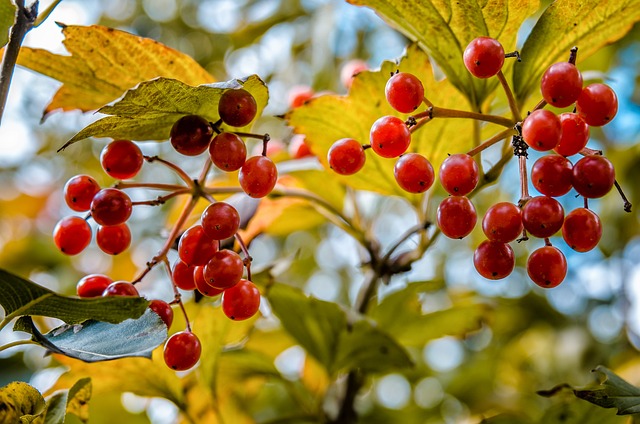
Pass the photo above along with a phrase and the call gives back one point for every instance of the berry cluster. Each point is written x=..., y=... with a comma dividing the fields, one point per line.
x=204, y=263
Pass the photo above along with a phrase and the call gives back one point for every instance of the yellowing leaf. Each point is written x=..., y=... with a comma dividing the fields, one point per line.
x=104, y=63
x=19, y=399
x=7, y=16
x=74, y=400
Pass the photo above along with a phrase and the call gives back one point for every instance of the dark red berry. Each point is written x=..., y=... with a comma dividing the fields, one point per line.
x=182, y=351
x=561, y=84
x=79, y=192
x=111, y=206
x=456, y=217
x=502, y=222
x=163, y=309
x=196, y=247
x=542, y=216
x=201, y=284
x=389, y=137
x=551, y=175
x=220, y=221
x=224, y=270
x=237, y=107
x=574, y=136
x=92, y=285
x=597, y=104
x=113, y=239
x=121, y=159
x=593, y=176
x=484, y=57
x=228, y=152
x=241, y=301
x=582, y=230
x=459, y=174
x=494, y=260
x=258, y=176
x=414, y=173
x=541, y=130
x=547, y=267
x=346, y=156
x=120, y=288
x=191, y=135
x=183, y=275
x=71, y=235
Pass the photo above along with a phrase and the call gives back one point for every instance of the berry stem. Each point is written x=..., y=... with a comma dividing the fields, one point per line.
x=439, y=112
x=176, y=293
x=205, y=172
x=627, y=203
x=152, y=186
x=524, y=180
x=515, y=54
x=573, y=55
x=540, y=105
x=247, y=257
x=175, y=168
x=427, y=102
x=404, y=237
x=161, y=200
x=513, y=105
x=493, y=140
x=419, y=124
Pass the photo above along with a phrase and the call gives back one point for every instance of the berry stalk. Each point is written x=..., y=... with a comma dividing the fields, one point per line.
x=491, y=141
x=513, y=105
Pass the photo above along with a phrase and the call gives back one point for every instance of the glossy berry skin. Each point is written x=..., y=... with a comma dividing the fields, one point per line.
x=258, y=176
x=484, y=57
x=201, y=283
x=346, y=156
x=92, y=285
x=113, y=239
x=597, y=104
x=182, y=351
x=389, y=137
x=191, y=135
x=220, y=221
x=414, y=173
x=494, y=260
x=79, y=192
x=72, y=235
x=582, y=230
x=542, y=216
x=196, y=247
x=561, y=84
x=163, y=309
x=459, y=174
x=183, y=275
x=111, y=206
x=456, y=217
x=121, y=159
x=404, y=92
x=574, y=136
x=237, y=107
x=120, y=288
x=551, y=175
x=241, y=301
x=547, y=267
x=224, y=270
x=593, y=176
x=228, y=152
x=541, y=130
x=502, y=222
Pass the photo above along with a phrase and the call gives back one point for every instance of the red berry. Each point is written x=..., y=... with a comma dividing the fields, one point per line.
x=121, y=159
x=111, y=206
x=299, y=94
x=258, y=176
x=561, y=84
x=298, y=147
x=201, y=284
x=350, y=69
x=414, y=173
x=404, y=92
x=582, y=230
x=196, y=247
x=79, y=192
x=120, y=288
x=241, y=301
x=183, y=275
x=551, y=175
x=484, y=57
x=597, y=104
x=163, y=309
x=220, y=221
x=502, y=222
x=459, y=174
x=456, y=217
x=346, y=156
x=547, y=267
x=541, y=130
x=113, y=239
x=71, y=235
x=389, y=137
x=494, y=260
x=182, y=351
x=542, y=216
x=191, y=135
x=593, y=176
x=574, y=136
x=228, y=152
x=237, y=107
x=92, y=285
x=224, y=270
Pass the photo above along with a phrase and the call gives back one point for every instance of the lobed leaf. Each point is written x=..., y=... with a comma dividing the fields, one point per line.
x=613, y=392
x=20, y=402
x=7, y=17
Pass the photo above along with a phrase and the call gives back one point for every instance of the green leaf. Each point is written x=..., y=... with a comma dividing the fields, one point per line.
x=23, y=297
x=74, y=400
x=94, y=341
x=444, y=29
x=613, y=392
x=148, y=111
x=588, y=24
x=20, y=402
x=7, y=17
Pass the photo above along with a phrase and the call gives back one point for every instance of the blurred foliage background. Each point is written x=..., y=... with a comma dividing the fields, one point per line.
x=530, y=340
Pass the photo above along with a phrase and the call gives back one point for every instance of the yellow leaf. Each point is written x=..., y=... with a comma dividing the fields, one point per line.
x=19, y=399
x=315, y=377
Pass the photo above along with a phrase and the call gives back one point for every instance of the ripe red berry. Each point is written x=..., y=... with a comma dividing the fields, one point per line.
x=459, y=174
x=298, y=147
x=79, y=192
x=456, y=217
x=541, y=130
x=574, y=136
x=163, y=309
x=389, y=137
x=561, y=84
x=111, y=206
x=502, y=222
x=224, y=270
x=414, y=173
x=299, y=94
x=191, y=135
x=183, y=275
x=582, y=230
x=542, y=216
x=346, y=156
x=113, y=239
x=241, y=301
x=547, y=267
x=182, y=351
x=71, y=235
x=196, y=247
x=258, y=176
x=120, y=288
x=220, y=221
x=228, y=152
x=201, y=284
x=593, y=176
x=597, y=104
x=404, y=92
x=551, y=175
x=494, y=260
x=121, y=159
x=92, y=285
x=237, y=107
x=484, y=57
